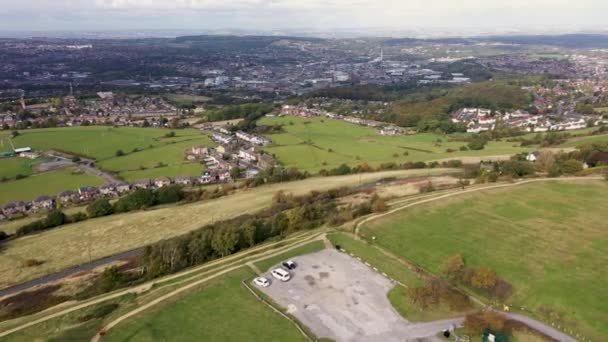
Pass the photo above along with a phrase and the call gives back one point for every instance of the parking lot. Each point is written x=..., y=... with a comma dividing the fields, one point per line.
x=339, y=297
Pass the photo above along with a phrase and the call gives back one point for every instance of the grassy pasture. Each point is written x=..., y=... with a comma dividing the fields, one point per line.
x=101, y=142
x=314, y=144
x=70, y=245
x=48, y=183
x=547, y=239
x=11, y=167
x=223, y=310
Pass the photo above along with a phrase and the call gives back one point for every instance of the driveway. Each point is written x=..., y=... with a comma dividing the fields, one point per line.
x=340, y=298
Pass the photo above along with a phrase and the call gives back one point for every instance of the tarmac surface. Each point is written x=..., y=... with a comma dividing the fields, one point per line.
x=338, y=297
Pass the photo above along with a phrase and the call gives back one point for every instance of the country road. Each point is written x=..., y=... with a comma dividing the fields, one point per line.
x=68, y=272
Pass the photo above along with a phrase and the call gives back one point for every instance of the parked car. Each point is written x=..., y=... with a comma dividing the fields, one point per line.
x=281, y=274
x=262, y=282
x=289, y=265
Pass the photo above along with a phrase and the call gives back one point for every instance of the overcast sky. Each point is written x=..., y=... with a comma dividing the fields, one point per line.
x=90, y=15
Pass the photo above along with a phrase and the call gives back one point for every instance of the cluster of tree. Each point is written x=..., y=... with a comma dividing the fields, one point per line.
x=558, y=164
x=287, y=215
x=514, y=168
x=438, y=292
x=478, y=142
x=140, y=199
x=545, y=140
x=481, y=278
x=249, y=110
x=53, y=219
x=276, y=175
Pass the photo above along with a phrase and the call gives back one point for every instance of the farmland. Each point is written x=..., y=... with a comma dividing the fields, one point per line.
x=49, y=183
x=547, y=239
x=11, y=167
x=73, y=244
x=221, y=311
x=313, y=144
x=145, y=148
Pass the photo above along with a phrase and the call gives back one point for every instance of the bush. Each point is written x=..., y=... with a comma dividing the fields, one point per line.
x=139, y=199
x=75, y=159
x=55, y=218
x=572, y=166
x=170, y=135
x=99, y=208
x=477, y=144
x=20, y=176
x=3, y=235
x=32, y=263
x=169, y=194
x=120, y=153
x=77, y=217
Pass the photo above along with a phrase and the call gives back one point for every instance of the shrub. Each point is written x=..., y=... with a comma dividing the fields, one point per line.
x=77, y=217
x=572, y=166
x=99, y=208
x=170, y=135
x=120, y=153
x=20, y=176
x=477, y=144
x=141, y=198
x=32, y=263
x=169, y=194
x=3, y=235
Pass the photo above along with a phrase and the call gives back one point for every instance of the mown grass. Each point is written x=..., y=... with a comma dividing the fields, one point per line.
x=267, y=264
x=73, y=244
x=398, y=271
x=102, y=143
x=547, y=239
x=11, y=167
x=49, y=183
x=314, y=144
x=222, y=310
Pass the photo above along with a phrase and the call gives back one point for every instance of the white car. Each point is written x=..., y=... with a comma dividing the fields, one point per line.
x=262, y=282
x=281, y=274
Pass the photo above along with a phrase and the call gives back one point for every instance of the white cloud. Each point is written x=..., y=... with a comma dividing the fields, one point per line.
x=269, y=14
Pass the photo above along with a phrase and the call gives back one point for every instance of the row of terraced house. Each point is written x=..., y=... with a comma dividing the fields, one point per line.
x=87, y=194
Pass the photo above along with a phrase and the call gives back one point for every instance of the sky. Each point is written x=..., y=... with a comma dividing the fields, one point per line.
x=324, y=15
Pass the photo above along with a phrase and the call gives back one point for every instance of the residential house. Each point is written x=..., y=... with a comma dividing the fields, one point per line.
x=215, y=176
x=15, y=209
x=143, y=184
x=533, y=156
x=29, y=155
x=597, y=159
x=248, y=155
x=266, y=161
x=68, y=197
x=87, y=193
x=197, y=152
x=254, y=139
x=122, y=188
x=44, y=203
x=162, y=182
x=108, y=190
x=222, y=138
x=183, y=180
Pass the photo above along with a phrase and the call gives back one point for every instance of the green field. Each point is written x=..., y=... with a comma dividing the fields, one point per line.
x=549, y=240
x=315, y=144
x=102, y=143
x=580, y=141
x=11, y=167
x=49, y=183
x=222, y=311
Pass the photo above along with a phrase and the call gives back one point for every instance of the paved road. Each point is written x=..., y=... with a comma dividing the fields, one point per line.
x=541, y=327
x=70, y=271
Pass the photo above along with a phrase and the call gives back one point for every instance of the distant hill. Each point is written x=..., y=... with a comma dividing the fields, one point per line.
x=237, y=42
x=565, y=40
